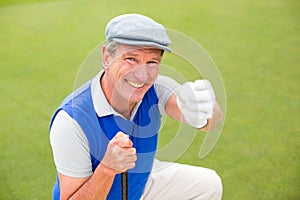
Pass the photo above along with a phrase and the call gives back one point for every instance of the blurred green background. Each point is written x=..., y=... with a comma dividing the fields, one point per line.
x=254, y=43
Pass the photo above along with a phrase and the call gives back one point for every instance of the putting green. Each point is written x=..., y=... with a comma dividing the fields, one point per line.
x=255, y=45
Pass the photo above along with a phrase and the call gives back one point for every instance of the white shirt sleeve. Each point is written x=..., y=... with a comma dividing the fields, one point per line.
x=164, y=87
x=70, y=147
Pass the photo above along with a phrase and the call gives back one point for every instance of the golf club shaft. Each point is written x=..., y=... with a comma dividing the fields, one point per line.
x=124, y=181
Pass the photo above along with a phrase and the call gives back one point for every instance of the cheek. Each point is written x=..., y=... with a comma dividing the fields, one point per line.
x=118, y=71
x=153, y=73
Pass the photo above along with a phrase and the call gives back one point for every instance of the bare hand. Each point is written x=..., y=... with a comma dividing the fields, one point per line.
x=120, y=154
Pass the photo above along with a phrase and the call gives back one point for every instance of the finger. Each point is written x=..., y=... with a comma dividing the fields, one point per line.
x=128, y=153
x=124, y=142
x=206, y=107
x=195, y=114
x=201, y=96
x=128, y=166
x=127, y=163
x=185, y=90
x=120, y=134
x=131, y=158
x=202, y=84
x=205, y=85
x=131, y=151
x=196, y=92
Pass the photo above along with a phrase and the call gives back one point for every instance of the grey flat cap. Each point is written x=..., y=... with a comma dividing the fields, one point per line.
x=137, y=30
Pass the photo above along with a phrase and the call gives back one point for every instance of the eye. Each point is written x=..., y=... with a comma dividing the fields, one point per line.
x=152, y=63
x=130, y=59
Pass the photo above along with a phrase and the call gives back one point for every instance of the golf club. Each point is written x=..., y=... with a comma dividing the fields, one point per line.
x=124, y=182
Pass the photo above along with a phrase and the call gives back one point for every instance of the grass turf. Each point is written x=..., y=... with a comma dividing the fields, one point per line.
x=254, y=43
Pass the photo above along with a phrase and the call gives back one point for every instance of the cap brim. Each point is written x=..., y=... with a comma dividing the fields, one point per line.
x=141, y=43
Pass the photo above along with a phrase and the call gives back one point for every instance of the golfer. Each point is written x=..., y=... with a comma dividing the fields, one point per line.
x=110, y=124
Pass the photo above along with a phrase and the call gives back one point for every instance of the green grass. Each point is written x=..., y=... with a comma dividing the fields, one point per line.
x=255, y=45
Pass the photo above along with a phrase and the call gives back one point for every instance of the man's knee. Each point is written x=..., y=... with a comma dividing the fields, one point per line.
x=214, y=183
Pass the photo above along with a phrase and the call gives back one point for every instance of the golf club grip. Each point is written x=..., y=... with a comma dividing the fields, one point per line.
x=124, y=182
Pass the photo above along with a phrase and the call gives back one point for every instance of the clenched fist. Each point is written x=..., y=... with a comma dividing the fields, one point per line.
x=120, y=154
x=196, y=100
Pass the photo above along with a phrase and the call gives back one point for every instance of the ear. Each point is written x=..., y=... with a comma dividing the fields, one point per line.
x=105, y=57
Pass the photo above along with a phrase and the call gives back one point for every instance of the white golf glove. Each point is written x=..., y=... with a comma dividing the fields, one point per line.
x=196, y=101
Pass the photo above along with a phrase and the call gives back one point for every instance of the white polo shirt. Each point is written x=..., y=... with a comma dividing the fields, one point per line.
x=69, y=144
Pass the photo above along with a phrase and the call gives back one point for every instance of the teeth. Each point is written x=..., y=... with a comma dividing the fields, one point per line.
x=136, y=85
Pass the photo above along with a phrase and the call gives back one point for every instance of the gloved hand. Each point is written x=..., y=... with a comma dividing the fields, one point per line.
x=120, y=154
x=196, y=101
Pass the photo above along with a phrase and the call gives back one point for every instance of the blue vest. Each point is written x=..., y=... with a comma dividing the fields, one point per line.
x=143, y=130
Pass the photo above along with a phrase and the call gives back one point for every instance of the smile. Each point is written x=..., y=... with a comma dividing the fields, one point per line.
x=136, y=85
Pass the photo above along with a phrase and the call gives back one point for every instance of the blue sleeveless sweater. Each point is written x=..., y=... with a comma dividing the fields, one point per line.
x=143, y=130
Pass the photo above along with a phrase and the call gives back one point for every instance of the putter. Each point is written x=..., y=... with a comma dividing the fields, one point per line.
x=124, y=178
x=124, y=182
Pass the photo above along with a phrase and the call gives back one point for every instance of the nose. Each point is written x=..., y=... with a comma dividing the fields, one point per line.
x=141, y=73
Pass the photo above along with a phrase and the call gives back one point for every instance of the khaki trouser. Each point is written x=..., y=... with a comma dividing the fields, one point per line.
x=173, y=181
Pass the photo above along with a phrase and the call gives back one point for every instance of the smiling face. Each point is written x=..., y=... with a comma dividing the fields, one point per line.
x=129, y=73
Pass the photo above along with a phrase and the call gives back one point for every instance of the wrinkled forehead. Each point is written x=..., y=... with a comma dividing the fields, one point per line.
x=137, y=50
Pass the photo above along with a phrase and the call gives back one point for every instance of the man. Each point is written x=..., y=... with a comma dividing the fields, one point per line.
x=110, y=124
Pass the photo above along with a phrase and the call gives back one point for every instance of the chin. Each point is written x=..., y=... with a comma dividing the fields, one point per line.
x=135, y=98
x=134, y=95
